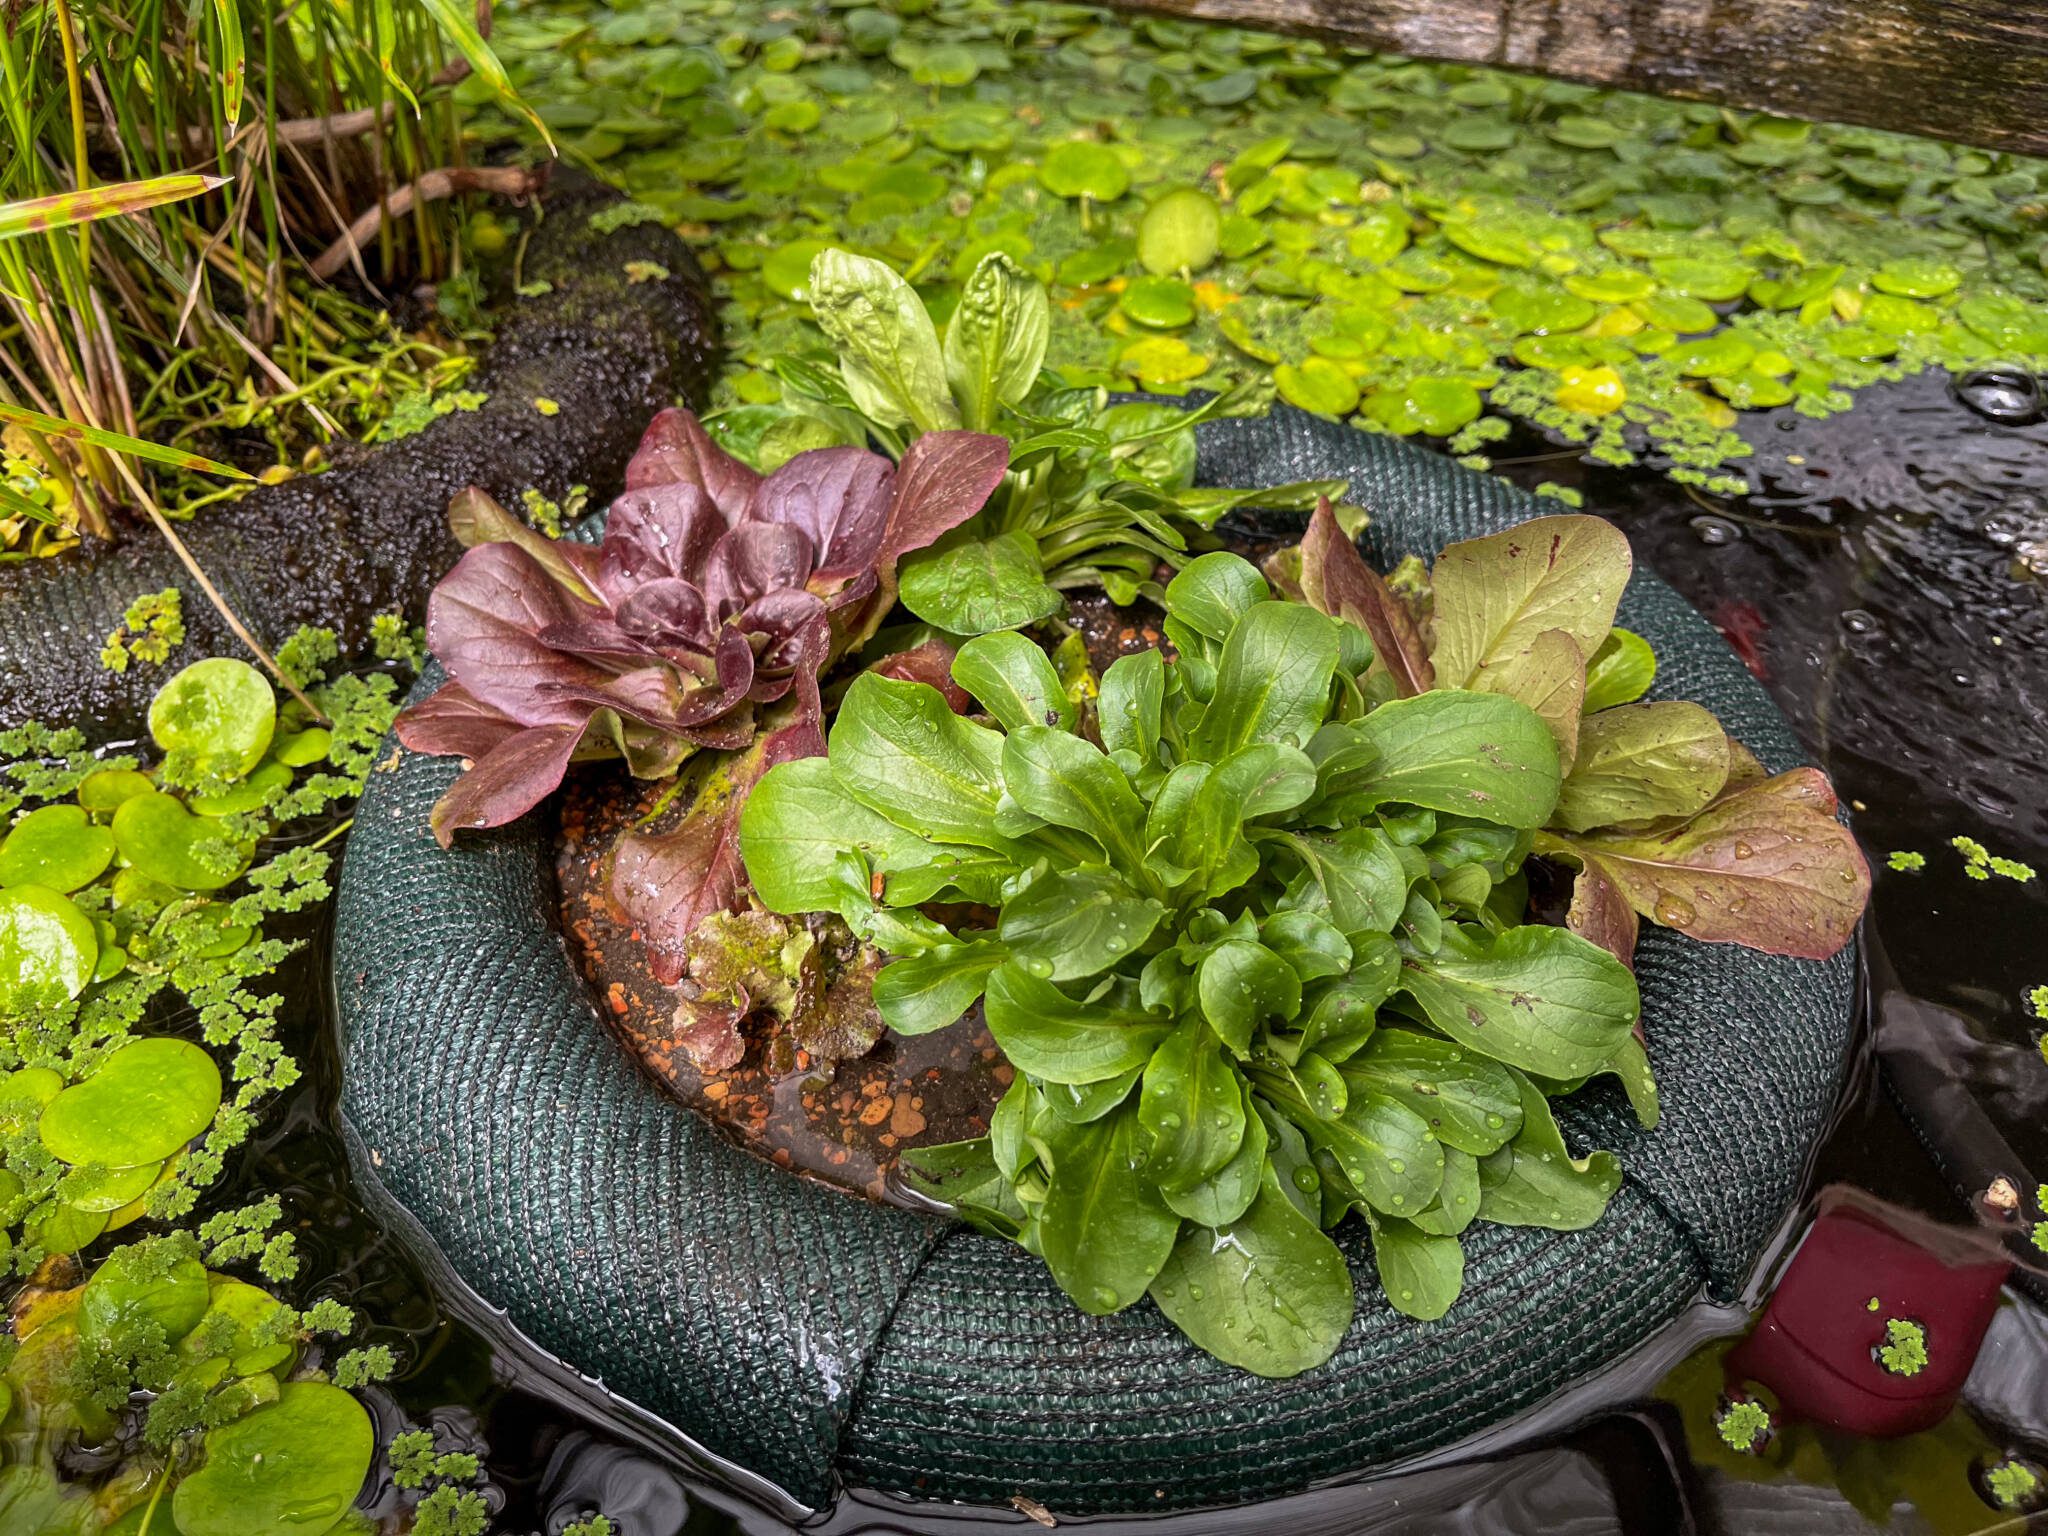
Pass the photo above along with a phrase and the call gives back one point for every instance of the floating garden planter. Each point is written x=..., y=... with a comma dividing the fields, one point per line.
x=1297, y=1122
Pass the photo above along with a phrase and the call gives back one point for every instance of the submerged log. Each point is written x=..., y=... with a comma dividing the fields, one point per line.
x=604, y=348
x=1973, y=71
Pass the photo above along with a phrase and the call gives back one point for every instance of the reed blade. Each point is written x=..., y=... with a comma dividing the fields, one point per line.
x=457, y=20
x=60, y=210
x=114, y=442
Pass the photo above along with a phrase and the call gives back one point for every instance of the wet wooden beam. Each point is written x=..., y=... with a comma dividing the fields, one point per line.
x=1972, y=70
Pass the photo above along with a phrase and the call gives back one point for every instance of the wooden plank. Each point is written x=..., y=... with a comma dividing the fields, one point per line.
x=1971, y=70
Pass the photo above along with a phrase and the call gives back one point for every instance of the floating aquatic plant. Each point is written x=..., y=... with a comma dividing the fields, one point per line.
x=1404, y=243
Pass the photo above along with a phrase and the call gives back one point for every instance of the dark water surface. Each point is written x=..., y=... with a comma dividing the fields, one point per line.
x=1890, y=585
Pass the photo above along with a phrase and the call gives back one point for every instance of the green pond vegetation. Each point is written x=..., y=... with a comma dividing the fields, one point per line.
x=1428, y=249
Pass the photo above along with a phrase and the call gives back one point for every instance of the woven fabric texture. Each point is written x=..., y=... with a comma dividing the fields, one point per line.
x=811, y=1337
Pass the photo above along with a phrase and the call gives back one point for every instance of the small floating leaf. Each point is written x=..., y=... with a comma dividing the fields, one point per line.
x=145, y=1102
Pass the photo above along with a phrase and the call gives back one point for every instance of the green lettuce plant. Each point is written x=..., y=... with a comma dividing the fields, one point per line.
x=1258, y=952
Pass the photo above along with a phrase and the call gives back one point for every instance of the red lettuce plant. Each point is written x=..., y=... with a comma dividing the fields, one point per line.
x=715, y=594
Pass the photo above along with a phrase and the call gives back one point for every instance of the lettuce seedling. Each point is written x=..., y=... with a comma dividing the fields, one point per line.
x=715, y=593
x=1258, y=958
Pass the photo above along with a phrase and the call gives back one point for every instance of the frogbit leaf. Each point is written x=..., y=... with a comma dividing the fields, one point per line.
x=1495, y=594
x=1766, y=865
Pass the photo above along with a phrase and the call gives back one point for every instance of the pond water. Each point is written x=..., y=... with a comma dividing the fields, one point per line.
x=1883, y=584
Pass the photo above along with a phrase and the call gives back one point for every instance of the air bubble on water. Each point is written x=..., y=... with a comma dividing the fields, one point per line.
x=1715, y=530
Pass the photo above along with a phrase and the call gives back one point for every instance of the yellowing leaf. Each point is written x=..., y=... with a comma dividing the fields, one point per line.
x=1495, y=594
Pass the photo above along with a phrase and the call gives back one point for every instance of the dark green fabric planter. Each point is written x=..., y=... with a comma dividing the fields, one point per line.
x=813, y=1338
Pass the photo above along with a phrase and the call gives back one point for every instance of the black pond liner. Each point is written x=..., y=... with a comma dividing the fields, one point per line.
x=818, y=1340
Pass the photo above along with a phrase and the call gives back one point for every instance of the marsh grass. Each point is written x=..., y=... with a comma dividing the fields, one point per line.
x=183, y=181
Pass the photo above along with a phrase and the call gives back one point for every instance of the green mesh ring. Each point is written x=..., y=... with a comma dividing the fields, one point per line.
x=816, y=1339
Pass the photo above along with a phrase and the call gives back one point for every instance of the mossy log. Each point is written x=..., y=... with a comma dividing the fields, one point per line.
x=370, y=535
x=1972, y=72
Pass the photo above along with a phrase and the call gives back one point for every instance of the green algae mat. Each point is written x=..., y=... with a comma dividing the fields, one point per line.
x=1429, y=250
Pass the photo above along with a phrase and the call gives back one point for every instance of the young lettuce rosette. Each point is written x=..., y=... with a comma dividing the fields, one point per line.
x=716, y=594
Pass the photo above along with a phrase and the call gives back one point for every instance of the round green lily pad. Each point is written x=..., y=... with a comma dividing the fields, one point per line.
x=301, y=749
x=102, y=791
x=47, y=949
x=1531, y=307
x=221, y=710
x=159, y=837
x=1441, y=406
x=1712, y=356
x=1861, y=342
x=58, y=846
x=1318, y=385
x=1161, y=302
x=1611, y=285
x=1677, y=312
x=110, y=1188
x=1916, y=277
x=1493, y=240
x=787, y=269
x=131, y=885
x=244, y=795
x=145, y=1102
x=1098, y=263
x=292, y=1468
x=34, y=1085
x=205, y=929
x=1181, y=232
x=68, y=1229
x=1083, y=168
x=131, y=1287
x=249, y=1308
x=2006, y=322
x=1162, y=361
x=1702, y=277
